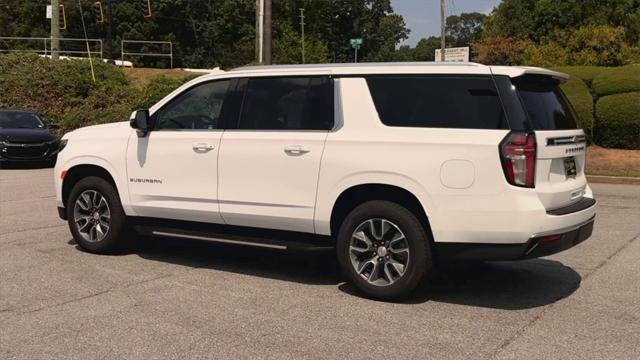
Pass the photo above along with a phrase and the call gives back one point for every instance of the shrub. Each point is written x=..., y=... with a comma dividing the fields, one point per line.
x=586, y=73
x=55, y=88
x=500, y=50
x=64, y=93
x=158, y=88
x=618, y=123
x=618, y=80
x=598, y=45
x=631, y=54
x=547, y=55
x=582, y=101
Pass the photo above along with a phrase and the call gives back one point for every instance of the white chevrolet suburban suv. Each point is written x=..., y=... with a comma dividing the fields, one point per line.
x=392, y=165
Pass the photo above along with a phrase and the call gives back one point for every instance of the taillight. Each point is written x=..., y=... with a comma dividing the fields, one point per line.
x=518, y=157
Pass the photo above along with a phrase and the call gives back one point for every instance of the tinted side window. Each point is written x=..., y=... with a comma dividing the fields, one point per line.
x=196, y=108
x=441, y=102
x=546, y=106
x=292, y=103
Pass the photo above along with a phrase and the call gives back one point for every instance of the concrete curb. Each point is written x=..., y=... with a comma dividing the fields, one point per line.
x=614, y=179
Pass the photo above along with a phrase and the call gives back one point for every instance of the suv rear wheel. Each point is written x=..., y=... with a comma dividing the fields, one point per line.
x=383, y=250
x=95, y=215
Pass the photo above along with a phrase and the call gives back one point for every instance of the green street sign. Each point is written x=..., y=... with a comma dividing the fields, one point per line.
x=356, y=42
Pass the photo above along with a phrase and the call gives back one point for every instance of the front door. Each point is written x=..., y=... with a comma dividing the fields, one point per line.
x=173, y=171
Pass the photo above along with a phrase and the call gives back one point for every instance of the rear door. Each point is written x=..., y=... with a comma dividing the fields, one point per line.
x=561, y=146
x=270, y=159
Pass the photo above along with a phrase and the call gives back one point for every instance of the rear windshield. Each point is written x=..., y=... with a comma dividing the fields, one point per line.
x=469, y=102
x=546, y=106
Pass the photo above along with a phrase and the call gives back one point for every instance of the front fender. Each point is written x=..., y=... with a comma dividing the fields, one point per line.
x=119, y=177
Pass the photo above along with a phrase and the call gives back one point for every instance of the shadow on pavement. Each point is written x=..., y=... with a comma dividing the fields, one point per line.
x=513, y=285
x=307, y=268
x=500, y=285
x=27, y=165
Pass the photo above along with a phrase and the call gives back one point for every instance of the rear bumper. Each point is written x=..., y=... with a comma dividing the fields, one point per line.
x=538, y=245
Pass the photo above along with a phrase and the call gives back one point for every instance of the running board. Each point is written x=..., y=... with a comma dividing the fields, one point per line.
x=234, y=235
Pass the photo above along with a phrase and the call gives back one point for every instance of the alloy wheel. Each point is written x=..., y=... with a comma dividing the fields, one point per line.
x=92, y=216
x=379, y=252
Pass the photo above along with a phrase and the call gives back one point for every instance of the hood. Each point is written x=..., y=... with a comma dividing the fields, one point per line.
x=26, y=135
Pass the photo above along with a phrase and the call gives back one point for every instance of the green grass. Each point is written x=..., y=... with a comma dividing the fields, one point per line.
x=617, y=80
x=618, y=121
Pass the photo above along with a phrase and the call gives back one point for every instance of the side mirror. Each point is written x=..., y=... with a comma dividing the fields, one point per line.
x=139, y=120
x=53, y=126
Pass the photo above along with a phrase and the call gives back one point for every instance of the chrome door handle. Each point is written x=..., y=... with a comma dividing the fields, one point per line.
x=202, y=147
x=296, y=150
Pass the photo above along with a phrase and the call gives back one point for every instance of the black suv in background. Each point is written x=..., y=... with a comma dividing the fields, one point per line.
x=24, y=137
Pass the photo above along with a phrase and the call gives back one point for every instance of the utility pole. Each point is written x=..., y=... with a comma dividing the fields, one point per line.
x=302, y=26
x=442, y=30
x=55, y=29
x=266, y=58
x=257, y=45
x=260, y=29
x=109, y=33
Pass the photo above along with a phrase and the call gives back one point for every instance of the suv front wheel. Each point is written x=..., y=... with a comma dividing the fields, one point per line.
x=95, y=215
x=383, y=250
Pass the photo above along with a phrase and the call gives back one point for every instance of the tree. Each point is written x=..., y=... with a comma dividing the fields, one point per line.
x=538, y=20
x=426, y=48
x=207, y=33
x=464, y=29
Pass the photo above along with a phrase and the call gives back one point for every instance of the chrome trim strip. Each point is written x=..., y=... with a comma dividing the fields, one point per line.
x=225, y=241
x=566, y=140
x=564, y=230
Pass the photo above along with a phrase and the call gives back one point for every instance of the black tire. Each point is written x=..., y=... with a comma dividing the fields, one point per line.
x=419, y=262
x=117, y=235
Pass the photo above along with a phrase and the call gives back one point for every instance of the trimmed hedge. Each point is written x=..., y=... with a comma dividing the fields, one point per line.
x=586, y=73
x=617, y=80
x=618, y=123
x=580, y=97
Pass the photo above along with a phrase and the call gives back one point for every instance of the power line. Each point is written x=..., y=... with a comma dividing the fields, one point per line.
x=86, y=38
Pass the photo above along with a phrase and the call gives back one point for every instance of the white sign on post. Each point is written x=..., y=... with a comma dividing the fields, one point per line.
x=48, y=11
x=459, y=54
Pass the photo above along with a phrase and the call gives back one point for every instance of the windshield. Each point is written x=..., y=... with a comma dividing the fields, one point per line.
x=546, y=106
x=20, y=120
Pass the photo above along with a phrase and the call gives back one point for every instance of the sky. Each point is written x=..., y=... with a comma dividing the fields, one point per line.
x=423, y=16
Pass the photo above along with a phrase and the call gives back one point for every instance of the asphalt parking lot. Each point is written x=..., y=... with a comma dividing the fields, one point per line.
x=186, y=299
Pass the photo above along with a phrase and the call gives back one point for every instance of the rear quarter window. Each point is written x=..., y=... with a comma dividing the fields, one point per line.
x=437, y=102
x=545, y=105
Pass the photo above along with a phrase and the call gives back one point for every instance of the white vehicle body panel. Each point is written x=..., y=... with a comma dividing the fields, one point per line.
x=264, y=184
x=186, y=164
x=248, y=179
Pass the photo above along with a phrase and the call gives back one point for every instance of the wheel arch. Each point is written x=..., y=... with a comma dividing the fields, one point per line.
x=79, y=172
x=358, y=194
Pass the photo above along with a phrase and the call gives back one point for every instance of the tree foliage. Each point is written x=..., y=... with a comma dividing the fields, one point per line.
x=538, y=20
x=464, y=29
x=208, y=33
